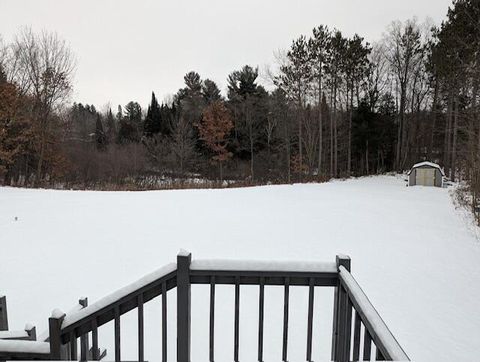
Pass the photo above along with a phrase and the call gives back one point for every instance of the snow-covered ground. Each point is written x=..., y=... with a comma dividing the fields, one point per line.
x=415, y=256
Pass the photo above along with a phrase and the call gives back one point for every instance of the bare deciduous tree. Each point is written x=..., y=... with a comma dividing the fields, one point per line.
x=43, y=68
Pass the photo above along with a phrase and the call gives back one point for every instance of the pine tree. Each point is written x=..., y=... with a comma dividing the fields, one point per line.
x=318, y=48
x=111, y=131
x=130, y=123
x=210, y=91
x=249, y=103
x=100, y=137
x=355, y=68
x=153, y=120
x=336, y=61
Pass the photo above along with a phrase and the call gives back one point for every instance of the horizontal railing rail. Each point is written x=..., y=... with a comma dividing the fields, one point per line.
x=64, y=330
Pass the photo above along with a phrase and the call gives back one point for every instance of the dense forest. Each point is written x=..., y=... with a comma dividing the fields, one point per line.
x=340, y=107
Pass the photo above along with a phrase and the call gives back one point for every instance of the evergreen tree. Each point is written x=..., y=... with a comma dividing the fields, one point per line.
x=294, y=79
x=210, y=91
x=100, y=137
x=111, y=131
x=318, y=47
x=129, y=129
x=153, y=120
x=249, y=103
x=356, y=66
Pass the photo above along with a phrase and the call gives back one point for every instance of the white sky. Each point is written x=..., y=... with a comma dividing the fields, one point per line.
x=126, y=49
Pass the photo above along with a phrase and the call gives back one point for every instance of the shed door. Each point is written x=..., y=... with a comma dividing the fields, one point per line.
x=425, y=176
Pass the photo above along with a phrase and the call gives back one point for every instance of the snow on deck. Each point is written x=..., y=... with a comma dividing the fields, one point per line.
x=412, y=252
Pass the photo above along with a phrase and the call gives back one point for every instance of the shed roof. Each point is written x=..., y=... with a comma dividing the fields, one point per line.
x=428, y=164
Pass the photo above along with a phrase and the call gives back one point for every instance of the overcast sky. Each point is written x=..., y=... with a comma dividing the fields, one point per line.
x=126, y=49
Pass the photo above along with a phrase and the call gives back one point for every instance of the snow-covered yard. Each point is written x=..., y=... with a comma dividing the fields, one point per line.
x=414, y=255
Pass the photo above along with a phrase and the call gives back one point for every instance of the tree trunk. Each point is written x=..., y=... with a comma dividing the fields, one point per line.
x=300, y=136
x=454, y=145
x=331, y=133
x=251, y=150
x=366, y=158
x=349, y=156
x=434, y=119
x=320, y=123
x=335, y=131
x=447, y=141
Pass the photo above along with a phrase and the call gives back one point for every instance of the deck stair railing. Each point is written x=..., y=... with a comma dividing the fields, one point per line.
x=352, y=309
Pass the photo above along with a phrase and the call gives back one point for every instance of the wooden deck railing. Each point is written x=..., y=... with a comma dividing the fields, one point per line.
x=65, y=330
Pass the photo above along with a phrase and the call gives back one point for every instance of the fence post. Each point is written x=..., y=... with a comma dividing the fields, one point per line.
x=3, y=314
x=340, y=316
x=183, y=306
x=55, y=329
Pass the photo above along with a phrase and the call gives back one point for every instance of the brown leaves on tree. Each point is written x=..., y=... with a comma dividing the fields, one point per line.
x=214, y=128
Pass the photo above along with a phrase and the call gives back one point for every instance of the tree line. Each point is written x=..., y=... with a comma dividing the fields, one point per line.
x=339, y=107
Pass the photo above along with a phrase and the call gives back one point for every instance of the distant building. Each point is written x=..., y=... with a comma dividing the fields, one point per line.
x=426, y=174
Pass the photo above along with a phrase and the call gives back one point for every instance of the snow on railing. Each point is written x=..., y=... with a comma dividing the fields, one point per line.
x=273, y=266
x=119, y=294
x=26, y=350
x=378, y=330
x=14, y=335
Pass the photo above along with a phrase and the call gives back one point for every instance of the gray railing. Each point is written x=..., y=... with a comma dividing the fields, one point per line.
x=65, y=330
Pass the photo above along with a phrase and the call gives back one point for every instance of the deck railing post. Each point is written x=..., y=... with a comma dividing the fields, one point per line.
x=55, y=329
x=3, y=314
x=341, y=331
x=183, y=306
x=84, y=348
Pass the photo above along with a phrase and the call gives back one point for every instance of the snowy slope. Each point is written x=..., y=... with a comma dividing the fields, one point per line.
x=411, y=251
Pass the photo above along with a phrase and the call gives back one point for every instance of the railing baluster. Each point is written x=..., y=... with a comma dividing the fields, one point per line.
x=84, y=347
x=95, y=351
x=311, y=296
x=285, y=318
x=341, y=334
x=356, y=337
x=367, y=345
x=141, y=340
x=73, y=346
x=212, y=319
x=117, y=333
x=237, y=321
x=261, y=308
x=164, y=322
x=336, y=297
x=3, y=314
x=348, y=328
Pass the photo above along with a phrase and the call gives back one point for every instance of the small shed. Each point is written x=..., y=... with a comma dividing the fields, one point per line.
x=426, y=174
